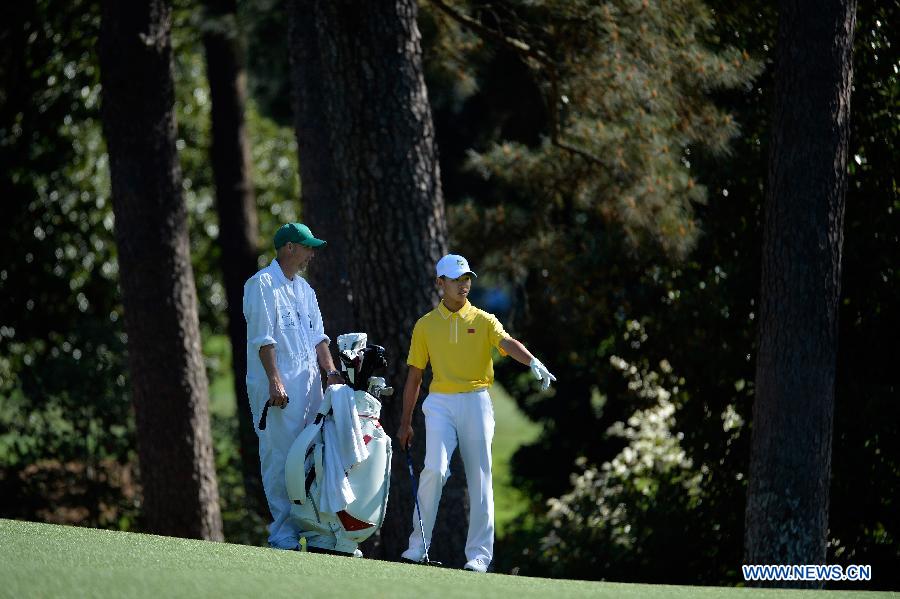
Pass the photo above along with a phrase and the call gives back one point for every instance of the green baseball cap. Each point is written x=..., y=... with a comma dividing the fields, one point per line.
x=297, y=233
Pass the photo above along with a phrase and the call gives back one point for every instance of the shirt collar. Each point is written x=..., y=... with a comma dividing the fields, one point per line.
x=279, y=274
x=463, y=312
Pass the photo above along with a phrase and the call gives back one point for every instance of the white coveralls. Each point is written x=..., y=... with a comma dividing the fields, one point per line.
x=283, y=313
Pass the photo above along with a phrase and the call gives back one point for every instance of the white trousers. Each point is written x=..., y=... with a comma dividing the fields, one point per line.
x=466, y=420
x=304, y=391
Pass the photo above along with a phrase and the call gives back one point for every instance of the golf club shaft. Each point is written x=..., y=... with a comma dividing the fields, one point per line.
x=415, y=485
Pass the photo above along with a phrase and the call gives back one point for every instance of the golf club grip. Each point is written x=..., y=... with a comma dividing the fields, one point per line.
x=262, y=419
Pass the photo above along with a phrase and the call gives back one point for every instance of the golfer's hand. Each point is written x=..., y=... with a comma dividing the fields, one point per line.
x=334, y=380
x=405, y=436
x=277, y=395
x=541, y=373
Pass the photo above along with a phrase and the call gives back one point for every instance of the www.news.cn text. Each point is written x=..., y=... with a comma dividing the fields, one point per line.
x=806, y=572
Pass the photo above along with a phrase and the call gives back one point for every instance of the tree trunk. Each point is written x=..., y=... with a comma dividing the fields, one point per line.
x=236, y=206
x=168, y=378
x=322, y=206
x=787, y=498
x=361, y=64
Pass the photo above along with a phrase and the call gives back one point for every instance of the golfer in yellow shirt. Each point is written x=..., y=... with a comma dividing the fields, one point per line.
x=456, y=338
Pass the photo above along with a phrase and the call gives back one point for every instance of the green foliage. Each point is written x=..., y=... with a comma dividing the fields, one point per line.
x=64, y=393
x=631, y=85
x=584, y=292
x=864, y=521
x=273, y=155
x=627, y=84
x=265, y=23
x=65, y=421
x=239, y=524
x=63, y=389
x=638, y=246
x=594, y=239
x=620, y=519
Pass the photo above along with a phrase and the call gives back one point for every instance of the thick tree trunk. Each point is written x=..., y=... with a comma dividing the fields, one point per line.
x=378, y=139
x=168, y=378
x=787, y=498
x=236, y=206
x=322, y=207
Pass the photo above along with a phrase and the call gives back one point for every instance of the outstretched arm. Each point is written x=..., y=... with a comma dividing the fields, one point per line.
x=410, y=398
x=517, y=351
x=520, y=353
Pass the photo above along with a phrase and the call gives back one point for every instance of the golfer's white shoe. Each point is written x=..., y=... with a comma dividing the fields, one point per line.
x=476, y=565
x=357, y=553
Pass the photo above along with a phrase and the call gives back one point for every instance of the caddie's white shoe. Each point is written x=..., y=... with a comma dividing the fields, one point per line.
x=476, y=565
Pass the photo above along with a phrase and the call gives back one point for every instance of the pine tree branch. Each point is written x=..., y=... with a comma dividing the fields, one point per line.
x=517, y=45
x=523, y=49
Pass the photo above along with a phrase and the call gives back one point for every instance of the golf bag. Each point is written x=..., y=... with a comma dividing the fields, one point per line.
x=369, y=479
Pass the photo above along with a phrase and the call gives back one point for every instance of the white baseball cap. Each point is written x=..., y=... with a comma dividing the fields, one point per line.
x=453, y=266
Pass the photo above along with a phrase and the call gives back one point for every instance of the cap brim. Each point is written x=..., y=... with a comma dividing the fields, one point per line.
x=314, y=243
x=451, y=275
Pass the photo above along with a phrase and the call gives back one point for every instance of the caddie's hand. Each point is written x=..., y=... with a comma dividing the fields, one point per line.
x=277, y=394
x=541, y=373
x=405, y=436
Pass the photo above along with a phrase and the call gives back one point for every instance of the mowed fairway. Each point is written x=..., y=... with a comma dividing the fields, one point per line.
x=45, y=560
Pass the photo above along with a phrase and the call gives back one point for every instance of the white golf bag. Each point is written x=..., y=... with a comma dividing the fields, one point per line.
x=305, y=471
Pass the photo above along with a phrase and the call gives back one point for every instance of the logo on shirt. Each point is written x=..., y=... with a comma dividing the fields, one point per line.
x=287, y=319
x=471, y=331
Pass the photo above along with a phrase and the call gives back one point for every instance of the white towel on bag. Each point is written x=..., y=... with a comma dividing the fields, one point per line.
x=344, y=448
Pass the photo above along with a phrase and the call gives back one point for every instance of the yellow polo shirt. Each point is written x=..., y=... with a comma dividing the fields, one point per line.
x=458, y=345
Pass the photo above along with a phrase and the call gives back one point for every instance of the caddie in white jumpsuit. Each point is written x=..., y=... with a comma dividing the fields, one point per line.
x=456, y=338
x=286, y=346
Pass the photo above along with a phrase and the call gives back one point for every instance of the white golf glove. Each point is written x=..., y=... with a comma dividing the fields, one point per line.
x=541, y=373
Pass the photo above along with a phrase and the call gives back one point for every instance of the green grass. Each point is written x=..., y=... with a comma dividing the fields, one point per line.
x=46, y=560
x=513, y=429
